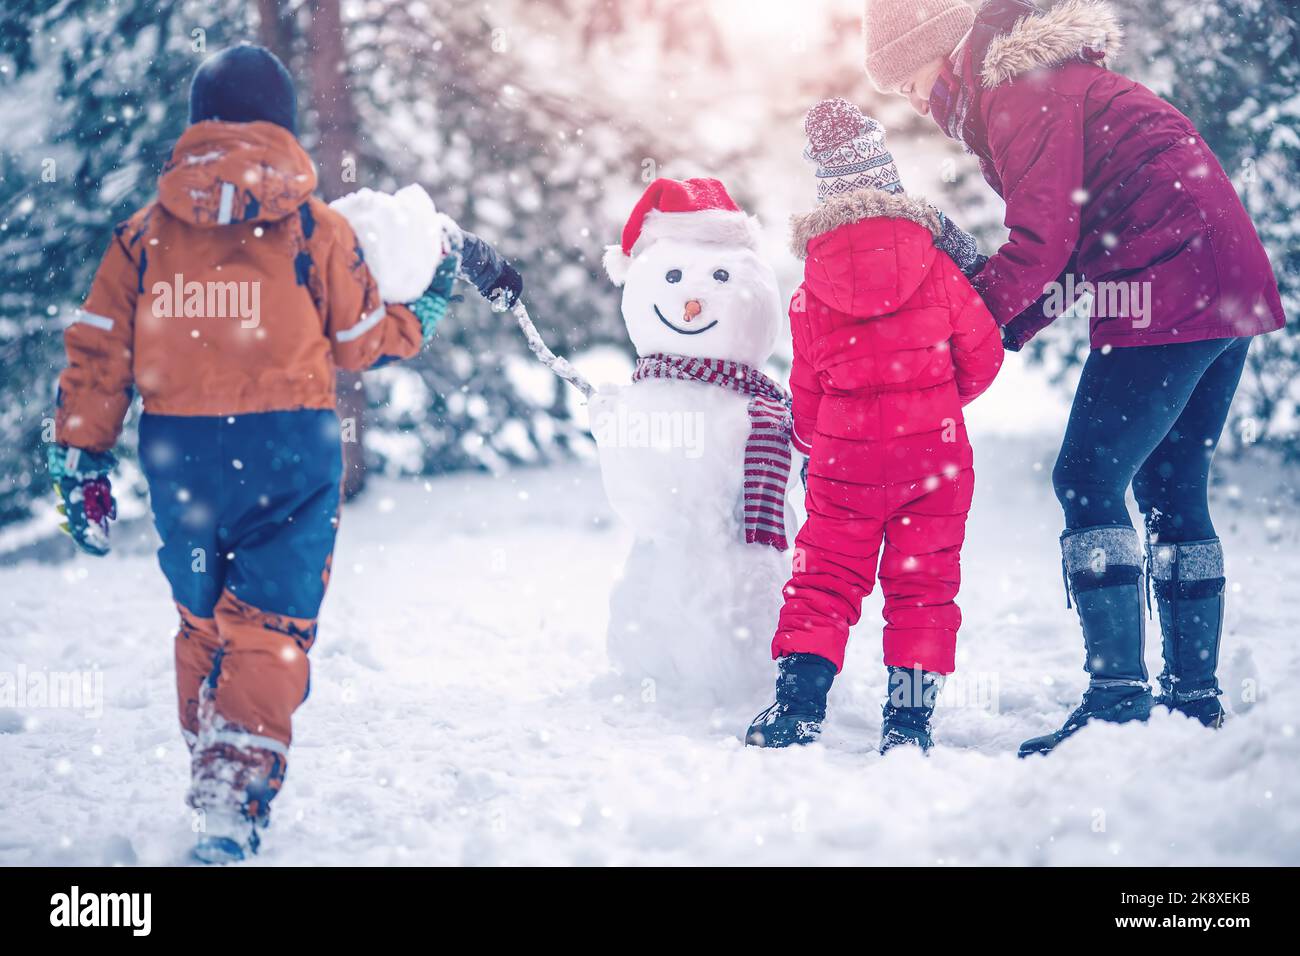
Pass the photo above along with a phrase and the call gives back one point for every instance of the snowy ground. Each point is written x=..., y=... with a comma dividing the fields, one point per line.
x=462, y=710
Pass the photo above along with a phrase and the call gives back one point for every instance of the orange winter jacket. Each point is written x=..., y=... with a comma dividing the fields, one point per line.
x=236, y=291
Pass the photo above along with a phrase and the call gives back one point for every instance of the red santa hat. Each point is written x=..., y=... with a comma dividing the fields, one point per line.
x=694, y=210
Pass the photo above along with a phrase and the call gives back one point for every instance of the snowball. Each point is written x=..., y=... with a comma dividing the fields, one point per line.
x=402, y=235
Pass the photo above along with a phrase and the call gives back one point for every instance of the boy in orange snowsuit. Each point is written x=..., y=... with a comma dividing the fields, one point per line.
x=228, y=304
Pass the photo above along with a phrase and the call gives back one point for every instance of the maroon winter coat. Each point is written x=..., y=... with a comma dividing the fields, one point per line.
x=1104, y=179
x=890, y=341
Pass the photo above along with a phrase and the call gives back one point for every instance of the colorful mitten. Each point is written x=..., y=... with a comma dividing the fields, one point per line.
x=86, y=495
x=432, y=306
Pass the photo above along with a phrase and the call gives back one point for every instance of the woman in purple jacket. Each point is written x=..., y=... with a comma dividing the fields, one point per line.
x=1112, y=191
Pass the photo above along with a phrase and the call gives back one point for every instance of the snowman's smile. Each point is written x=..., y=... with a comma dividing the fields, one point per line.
x=681, y=331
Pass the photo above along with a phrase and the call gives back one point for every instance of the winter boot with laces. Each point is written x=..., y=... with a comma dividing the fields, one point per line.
x=796, y=716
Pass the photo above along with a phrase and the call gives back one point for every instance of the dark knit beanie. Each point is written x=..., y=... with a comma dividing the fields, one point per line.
x=244, y=84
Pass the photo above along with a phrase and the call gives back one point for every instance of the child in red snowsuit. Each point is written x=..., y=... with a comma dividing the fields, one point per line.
x=890, y=342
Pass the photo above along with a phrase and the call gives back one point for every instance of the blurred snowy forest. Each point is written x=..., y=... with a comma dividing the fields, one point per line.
x=537, y=123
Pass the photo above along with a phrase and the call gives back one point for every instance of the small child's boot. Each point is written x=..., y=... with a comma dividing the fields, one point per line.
x=796, y=716
x=226, y=838
x=231, y=791
x=907, y=712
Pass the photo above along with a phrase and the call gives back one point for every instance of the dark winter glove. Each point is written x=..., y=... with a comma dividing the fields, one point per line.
x=507, y=289
x=86, y=495
x=1042, y=313
x=496, y=280
x=432, y=305
x=803, y=475
x=1017, y=333
x=976, y=265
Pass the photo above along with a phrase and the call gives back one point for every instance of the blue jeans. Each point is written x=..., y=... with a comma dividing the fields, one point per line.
x=1149, y=416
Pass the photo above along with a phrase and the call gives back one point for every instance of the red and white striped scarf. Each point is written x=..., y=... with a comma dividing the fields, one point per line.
x=767, y=451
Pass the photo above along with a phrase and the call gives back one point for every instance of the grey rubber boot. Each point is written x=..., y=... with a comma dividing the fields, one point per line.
x=1188, y=581
x=1103, y=573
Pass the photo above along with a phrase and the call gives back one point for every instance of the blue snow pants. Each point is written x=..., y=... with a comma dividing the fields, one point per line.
x=247, y=509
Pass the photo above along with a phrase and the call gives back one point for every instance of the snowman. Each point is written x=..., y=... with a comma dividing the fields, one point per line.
x=695, y=452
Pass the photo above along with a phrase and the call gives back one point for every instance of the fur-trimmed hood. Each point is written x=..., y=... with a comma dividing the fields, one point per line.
x=1066, y=32
x=855, y=207
x=871, y=250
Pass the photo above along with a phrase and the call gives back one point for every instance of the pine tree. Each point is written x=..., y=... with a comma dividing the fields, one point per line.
x=95, y=96
x=439, y=101
x=1233, y=66
x=447, y=103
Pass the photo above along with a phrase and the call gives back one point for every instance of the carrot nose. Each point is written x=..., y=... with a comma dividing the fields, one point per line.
x=693, y=308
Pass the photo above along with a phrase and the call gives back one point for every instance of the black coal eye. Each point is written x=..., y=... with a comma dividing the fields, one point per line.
x=674, y=275
x=722, y=275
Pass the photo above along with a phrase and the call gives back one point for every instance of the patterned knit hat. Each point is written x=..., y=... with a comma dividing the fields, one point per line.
x=848, y=150
x=904, y=35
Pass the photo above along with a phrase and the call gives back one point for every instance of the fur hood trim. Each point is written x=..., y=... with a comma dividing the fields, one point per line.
x=1054, y=37
x=855, y=207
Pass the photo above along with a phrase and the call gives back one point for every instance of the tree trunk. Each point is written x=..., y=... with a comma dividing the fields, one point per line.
x=329, y=97
x=275, y=28
x=339, y=128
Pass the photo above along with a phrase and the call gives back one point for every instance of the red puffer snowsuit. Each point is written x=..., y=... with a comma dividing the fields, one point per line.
x=890, y=341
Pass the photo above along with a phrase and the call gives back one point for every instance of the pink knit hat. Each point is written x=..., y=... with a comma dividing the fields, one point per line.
x=904, y=35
